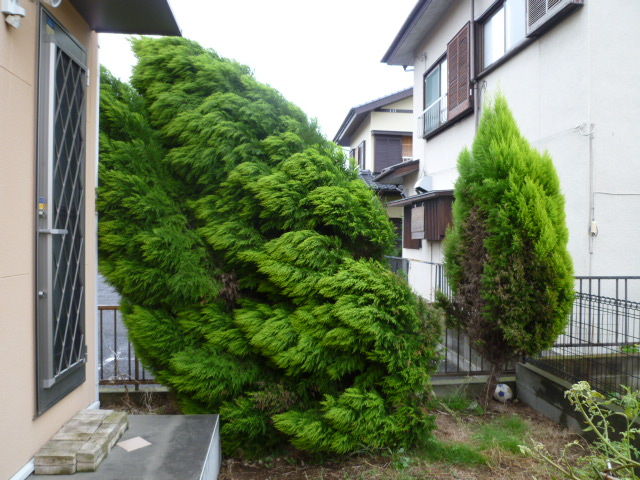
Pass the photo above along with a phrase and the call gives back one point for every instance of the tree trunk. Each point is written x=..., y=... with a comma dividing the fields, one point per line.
x=492, y=381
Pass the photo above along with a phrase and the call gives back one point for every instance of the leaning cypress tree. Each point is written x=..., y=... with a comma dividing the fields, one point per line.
x=250, y=262
x=506, y=254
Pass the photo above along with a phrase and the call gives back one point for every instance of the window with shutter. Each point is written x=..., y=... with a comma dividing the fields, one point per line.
x=407, y=241
x=387, y=151
x=458, y=55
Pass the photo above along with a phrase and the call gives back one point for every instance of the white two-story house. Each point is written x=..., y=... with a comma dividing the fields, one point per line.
x=569, y=70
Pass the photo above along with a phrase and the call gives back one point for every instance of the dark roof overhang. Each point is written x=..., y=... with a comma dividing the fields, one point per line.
x=421, y=21
x=367, y=176
x=357, y=114
x=144, y=17
x=420, y=198
x=395, y=173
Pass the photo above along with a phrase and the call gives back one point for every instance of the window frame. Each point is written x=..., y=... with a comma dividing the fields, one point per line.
x=361, y=151
x=437, y=64
x=53, y=385
x=480, y=23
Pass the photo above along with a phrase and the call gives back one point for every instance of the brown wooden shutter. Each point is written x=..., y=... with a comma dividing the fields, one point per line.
x=407, y=241
x=437, y=217
x=387, y=151
x=458, y=74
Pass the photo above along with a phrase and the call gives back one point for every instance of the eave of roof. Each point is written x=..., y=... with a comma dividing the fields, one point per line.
x=367, y=176
x=394, y=173
x=144, y=17
x=417, y=198
x=420, y=22
x=357, y=114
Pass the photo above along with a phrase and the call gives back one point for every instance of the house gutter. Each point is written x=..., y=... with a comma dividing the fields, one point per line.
x=472, y=65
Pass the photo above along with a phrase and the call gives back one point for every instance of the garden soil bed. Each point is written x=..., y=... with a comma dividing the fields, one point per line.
x=452, y=427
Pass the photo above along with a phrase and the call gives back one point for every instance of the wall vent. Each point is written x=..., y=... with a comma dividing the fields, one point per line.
x=543, y=14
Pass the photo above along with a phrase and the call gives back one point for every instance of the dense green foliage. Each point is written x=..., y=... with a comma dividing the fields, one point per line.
x=506, y=255
x=250, y=262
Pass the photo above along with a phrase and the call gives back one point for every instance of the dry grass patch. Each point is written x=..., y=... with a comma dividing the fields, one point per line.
x=468, y=447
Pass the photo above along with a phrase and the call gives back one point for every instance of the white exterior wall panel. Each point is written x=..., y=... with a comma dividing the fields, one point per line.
x=579, y=73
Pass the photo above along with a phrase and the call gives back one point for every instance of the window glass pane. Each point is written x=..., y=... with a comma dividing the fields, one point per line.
x=432, y=87
x=493, y=40
x=515, y=18
x=444, y=85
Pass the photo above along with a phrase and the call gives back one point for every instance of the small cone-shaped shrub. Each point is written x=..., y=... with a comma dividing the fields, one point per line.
x=506, y=255
x=251, y=264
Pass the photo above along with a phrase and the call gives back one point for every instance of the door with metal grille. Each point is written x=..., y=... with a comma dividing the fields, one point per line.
x=60, y=214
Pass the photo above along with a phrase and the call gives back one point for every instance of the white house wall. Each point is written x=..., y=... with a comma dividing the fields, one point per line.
x=581, y=72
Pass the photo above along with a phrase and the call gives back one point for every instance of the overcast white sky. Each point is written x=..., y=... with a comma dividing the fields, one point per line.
x=323, y=56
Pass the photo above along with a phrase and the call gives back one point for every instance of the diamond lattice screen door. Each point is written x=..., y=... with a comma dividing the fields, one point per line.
x=60, y=214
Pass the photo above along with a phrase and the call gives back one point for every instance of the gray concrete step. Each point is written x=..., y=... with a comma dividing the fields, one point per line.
x=180, y=447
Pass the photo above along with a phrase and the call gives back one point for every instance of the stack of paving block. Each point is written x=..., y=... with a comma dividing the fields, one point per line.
x=82, y=443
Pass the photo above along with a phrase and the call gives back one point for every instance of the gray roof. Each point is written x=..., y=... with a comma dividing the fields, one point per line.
x=424, y=196
x=421, y=21
x=357, y=114
x=367, y=176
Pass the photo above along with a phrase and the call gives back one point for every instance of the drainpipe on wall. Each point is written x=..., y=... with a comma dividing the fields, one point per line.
x=472, y=66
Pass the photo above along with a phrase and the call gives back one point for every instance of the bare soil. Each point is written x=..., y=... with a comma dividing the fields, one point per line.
x=452, y=427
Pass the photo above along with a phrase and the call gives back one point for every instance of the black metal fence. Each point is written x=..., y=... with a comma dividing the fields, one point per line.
x=459, y=358
x=602, y=341
x=118, y=363
x=600, y=345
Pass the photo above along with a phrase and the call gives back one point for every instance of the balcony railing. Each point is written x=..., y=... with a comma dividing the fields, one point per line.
x=433, y=116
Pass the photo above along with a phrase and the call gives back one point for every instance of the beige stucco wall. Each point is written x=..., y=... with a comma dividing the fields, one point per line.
x=389, y=121
x=364, y=133
x=23, y=434
x=576, y=74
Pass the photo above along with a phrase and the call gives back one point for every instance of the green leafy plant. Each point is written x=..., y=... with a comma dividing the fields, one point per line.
x=506, y=253
x=632, y=348
x=251, y=265
x=613, y=455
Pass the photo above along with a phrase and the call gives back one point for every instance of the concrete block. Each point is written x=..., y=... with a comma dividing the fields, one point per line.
x=544, y=393
x=92, y=451
x=115, y=417
x=58, y=452
x=55, y=469
x=93, y=412
x=72, y=436
x=81, y=426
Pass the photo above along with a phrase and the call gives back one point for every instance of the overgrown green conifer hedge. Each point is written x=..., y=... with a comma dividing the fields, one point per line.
x=250, y=262
x=506, y=255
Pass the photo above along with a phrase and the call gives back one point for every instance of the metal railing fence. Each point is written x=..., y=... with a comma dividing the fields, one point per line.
x=433, y=116
x=602, y=341
x=118, y=363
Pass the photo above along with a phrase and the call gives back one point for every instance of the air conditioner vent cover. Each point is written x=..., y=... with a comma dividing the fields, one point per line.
x=543, y=14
